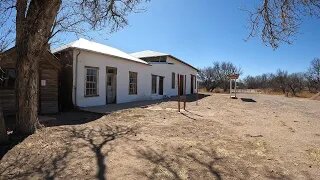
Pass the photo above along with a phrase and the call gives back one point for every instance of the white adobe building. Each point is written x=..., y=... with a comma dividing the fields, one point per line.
x=94, y=74
x=168, y=67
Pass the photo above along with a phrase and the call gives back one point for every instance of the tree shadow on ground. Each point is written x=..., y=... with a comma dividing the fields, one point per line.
x=200, y=162
x=28, y=164
x=70, y=153
x=188, y=116
x=13, y=140
x=64, y=118
x=72, y=118
x=181, y=163
x=96, y=139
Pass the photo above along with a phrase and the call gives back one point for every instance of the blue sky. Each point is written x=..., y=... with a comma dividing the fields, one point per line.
x=203, y=31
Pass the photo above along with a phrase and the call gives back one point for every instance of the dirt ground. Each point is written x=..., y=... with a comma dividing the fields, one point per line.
x=260, y=137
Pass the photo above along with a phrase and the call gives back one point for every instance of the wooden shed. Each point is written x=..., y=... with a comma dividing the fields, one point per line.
x=48, y=83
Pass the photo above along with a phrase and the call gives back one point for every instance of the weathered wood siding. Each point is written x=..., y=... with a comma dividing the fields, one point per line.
x=48, y=97
x=8, y=101
x=8, y=96
x=49, y=92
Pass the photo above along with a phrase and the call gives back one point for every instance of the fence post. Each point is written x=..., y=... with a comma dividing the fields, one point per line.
x=179, y=92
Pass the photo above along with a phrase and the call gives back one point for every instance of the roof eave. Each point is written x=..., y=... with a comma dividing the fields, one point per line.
x=175, y=59
x=76, y=48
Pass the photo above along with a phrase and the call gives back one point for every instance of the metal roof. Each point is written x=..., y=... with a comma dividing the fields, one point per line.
x=84, y=44
x=149, y=53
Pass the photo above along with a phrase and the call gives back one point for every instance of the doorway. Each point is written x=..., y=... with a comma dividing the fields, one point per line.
x=161, y=85
x=181, y=85
x=111, y=85
x=192, y=84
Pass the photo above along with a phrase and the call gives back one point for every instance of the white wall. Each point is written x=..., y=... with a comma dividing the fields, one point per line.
x=101, y=61
x=123, y=66
x=177, y=67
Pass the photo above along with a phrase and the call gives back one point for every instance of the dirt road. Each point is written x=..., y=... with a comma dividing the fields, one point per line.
x=272, y=138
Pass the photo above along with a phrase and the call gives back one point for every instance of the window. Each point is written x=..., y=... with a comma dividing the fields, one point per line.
x=109, y=80
x=91, y=81
x=7, y=78
x=156, y=59
x=133, y=82
x=173, y=80
x=154, y=84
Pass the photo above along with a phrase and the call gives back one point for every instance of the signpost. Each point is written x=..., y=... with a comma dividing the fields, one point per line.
x=233, y=77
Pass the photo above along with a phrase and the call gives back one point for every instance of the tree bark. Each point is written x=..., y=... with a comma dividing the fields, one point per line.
x=3, y=130
x=34, y=22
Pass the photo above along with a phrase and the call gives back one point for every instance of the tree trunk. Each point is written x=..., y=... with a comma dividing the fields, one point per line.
x=293, y=91
x=3, y=130
x=34, y=22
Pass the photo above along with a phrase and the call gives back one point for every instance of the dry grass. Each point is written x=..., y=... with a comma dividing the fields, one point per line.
x=302, y=94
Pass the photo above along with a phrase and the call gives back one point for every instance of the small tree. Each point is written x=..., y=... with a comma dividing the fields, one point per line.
x=313, y=74
x=295, y=83
x=217, y=75
x=281, y=80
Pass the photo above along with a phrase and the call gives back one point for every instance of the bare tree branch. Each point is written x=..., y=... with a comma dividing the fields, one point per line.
x=277, y=21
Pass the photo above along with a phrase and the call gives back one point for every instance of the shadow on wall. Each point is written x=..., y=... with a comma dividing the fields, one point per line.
x=70, y=153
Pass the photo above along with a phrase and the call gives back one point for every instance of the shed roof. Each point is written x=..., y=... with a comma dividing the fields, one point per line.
x=149, y=53
x=84, y=44
x=54, y=61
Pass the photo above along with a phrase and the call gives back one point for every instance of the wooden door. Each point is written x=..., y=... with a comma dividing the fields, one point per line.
x=192, y=84
x=111, y=85
x=181, y=85
x=161, y=85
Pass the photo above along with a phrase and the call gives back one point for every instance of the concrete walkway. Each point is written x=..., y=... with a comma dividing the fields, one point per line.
x=107, y=109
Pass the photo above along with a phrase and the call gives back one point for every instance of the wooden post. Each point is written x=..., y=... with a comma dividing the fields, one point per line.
x=197, y=96
x=185, y=92
x=179, y=92
x=235, y=88
x=230, y=87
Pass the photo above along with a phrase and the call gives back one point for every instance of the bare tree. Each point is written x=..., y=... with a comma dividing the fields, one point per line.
x=36, y=22
x=217, y=75
x=277, y=21
x=296, y=83
x=258, y=82
x=313, y=74
x=281, y=80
